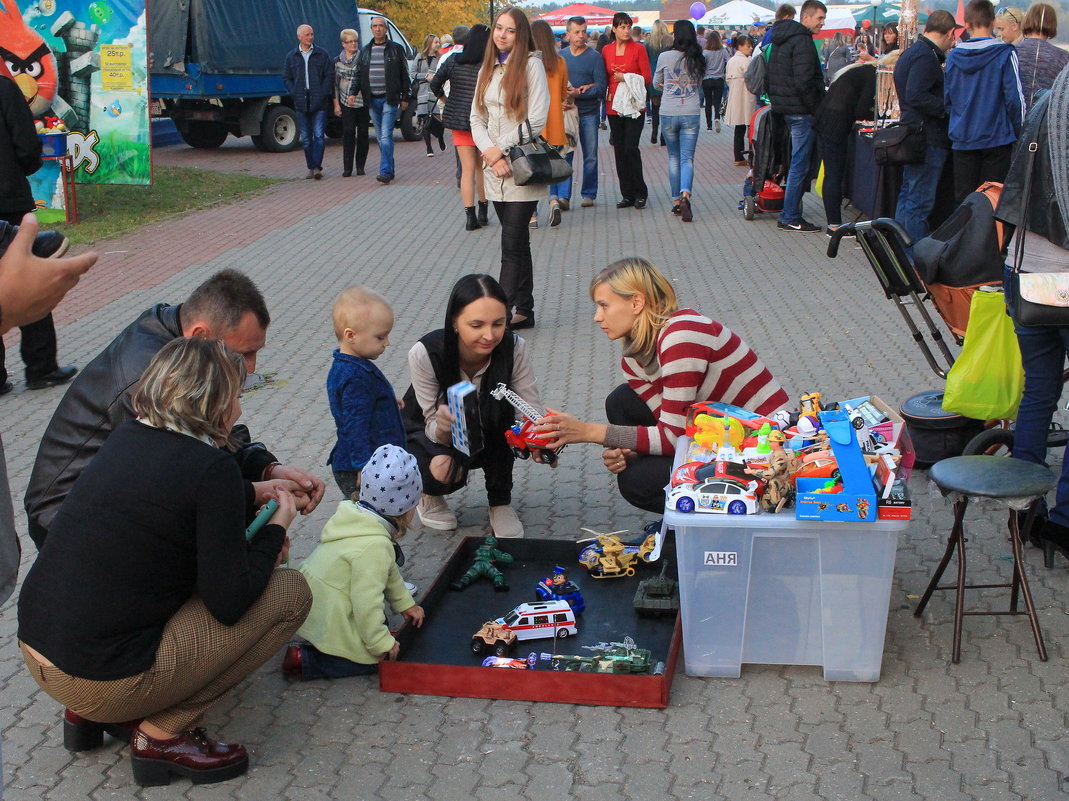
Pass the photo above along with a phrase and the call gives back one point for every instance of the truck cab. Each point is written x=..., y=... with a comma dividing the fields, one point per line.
x=215, y=66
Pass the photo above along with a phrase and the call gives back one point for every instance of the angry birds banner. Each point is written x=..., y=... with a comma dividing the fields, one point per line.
x=82, y=67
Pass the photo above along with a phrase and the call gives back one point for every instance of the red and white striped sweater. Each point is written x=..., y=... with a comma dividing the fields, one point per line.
x=697, y=359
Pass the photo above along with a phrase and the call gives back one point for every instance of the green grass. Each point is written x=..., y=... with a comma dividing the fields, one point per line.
x=109, y=210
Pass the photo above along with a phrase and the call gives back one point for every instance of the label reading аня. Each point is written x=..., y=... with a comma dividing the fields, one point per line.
x=721, y=559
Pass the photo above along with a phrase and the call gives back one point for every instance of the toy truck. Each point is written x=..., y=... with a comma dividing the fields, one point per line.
x=521, y=437
x=215, y=66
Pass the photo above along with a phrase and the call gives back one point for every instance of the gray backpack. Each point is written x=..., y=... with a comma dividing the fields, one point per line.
x=756, y=75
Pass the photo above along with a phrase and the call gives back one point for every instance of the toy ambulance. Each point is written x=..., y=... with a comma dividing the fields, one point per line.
x=539, y=619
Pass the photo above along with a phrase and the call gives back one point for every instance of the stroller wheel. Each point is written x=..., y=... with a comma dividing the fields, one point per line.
x=748, y=207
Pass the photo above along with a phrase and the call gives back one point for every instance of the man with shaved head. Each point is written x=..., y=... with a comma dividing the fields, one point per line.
x=309, y=79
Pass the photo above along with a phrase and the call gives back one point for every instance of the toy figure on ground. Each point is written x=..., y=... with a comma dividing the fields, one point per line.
x=559, y=588
x=483, y=567
x=782, y=463
x=352, y=573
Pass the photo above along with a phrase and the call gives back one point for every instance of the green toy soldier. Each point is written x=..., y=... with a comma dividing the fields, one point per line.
x=483, y=566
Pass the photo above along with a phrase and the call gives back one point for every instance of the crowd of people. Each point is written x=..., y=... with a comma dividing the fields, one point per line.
x=151, y=596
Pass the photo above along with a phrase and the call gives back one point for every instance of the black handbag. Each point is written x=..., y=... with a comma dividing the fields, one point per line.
x=1035, y=299
x=536, y=162
x=899, y=143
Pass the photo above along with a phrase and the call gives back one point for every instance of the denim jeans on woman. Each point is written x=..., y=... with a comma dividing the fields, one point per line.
x=681, y=136
x=588, y=141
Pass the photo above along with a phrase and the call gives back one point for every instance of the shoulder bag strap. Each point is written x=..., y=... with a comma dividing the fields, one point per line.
x=1018, y=245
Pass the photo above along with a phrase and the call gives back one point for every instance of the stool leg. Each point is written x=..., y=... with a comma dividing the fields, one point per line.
x=1021, y=580
x=952, y=542
x=959, y=591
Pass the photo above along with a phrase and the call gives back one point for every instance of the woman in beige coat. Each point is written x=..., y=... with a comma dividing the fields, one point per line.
x=740, y=102
x=511, y=92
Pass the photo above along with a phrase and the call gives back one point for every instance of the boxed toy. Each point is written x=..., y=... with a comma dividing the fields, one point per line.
x=856, y=498
x=888, y=427
x=463, y=400
x=896, y=504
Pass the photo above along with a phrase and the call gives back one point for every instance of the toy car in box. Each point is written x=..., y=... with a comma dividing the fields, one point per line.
x=718, y=495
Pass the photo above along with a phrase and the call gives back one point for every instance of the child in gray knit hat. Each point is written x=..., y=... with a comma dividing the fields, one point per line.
x=352, y=573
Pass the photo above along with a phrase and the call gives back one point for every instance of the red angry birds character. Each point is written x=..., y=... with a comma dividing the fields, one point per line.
x=28, y=58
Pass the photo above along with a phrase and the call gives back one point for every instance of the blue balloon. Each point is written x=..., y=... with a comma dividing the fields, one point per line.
x=697, y=10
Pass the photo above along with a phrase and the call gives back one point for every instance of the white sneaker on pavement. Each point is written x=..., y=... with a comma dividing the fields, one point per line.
x=504, y=523
x=434, y=512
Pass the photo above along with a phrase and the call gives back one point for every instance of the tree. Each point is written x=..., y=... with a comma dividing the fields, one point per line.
x=417, y=18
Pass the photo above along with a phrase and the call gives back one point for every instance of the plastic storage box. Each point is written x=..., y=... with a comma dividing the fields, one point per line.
x=769, y=589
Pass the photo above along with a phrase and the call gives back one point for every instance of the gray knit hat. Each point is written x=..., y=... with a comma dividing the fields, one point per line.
x=390, y=482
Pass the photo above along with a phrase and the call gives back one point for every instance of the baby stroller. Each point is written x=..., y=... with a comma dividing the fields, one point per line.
x=769, y=147
x=885, y=245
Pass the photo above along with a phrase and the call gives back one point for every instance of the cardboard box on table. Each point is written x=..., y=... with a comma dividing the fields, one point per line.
x=437, y=658
x=771, y=589
x=857, y=500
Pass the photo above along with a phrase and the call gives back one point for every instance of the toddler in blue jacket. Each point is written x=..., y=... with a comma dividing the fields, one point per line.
x=362, y=401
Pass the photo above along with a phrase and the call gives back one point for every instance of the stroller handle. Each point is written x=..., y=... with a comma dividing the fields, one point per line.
x=843, y=230
x=884, y=224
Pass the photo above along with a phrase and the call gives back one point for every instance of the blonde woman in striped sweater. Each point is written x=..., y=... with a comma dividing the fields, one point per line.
x=672, y=358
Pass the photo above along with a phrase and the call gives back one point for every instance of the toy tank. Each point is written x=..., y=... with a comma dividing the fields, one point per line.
x=658, y=595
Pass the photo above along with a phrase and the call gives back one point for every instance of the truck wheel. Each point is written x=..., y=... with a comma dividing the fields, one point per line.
x=478, y=646
x=500, y=648
x=411, y=126
x=278, y=130
x=202, y=134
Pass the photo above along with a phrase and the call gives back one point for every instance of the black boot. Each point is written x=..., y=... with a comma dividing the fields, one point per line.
x=483, y=206
x=472, y=224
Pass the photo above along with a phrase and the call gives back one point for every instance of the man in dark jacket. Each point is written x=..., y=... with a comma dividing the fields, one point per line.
x=20, y=156
x=796, y=87
x=309, y=78
x=919, y=83
x=984, y=100
x=227, y=306
x=382, y=79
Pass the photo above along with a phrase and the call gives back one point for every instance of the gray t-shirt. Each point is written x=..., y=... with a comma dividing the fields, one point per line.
x=681, y=95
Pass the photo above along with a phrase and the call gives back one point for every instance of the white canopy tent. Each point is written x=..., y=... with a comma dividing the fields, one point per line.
x=736, y=14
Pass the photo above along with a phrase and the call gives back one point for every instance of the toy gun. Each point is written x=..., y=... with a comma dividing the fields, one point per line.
x=627, y=645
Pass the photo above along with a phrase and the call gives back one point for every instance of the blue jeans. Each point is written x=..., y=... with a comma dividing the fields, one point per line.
x=801, y=161
x=588, y=141
x=317, y=665
x=681, y=137
x=917, y=198
x=1043, y=352
x=310, y=124
x=384, y=117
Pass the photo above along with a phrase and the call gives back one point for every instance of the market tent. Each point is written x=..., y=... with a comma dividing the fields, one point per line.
x=884, y=13
x=840, y=19
x=595, y=15
x=736, y=14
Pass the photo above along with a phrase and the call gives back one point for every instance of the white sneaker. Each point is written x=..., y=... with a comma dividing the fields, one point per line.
x=434, y=512
x=413, y=590
x=504, y=523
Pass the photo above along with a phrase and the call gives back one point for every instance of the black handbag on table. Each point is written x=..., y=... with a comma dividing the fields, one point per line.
x=899, y=143
x=536, y=162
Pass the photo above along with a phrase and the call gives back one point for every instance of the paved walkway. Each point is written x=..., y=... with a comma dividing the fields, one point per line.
x=993, y=727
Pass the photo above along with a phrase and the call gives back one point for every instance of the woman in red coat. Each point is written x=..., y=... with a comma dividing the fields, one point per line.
x=623, y=55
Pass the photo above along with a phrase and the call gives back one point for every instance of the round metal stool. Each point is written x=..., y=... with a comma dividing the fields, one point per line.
x=995, y=478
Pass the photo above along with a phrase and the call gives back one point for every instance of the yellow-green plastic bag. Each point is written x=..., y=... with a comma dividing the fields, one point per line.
x=819, y=186
x=987, y=380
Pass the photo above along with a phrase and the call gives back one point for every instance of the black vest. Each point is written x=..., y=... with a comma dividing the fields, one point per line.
x=496, y=415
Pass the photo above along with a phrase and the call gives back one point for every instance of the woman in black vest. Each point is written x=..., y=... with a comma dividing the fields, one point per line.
x=474, y=346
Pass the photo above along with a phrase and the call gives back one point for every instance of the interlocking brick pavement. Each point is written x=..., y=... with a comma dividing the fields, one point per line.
x=993, y=727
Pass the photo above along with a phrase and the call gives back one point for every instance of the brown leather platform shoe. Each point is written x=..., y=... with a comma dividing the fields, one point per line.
x=192, y=754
